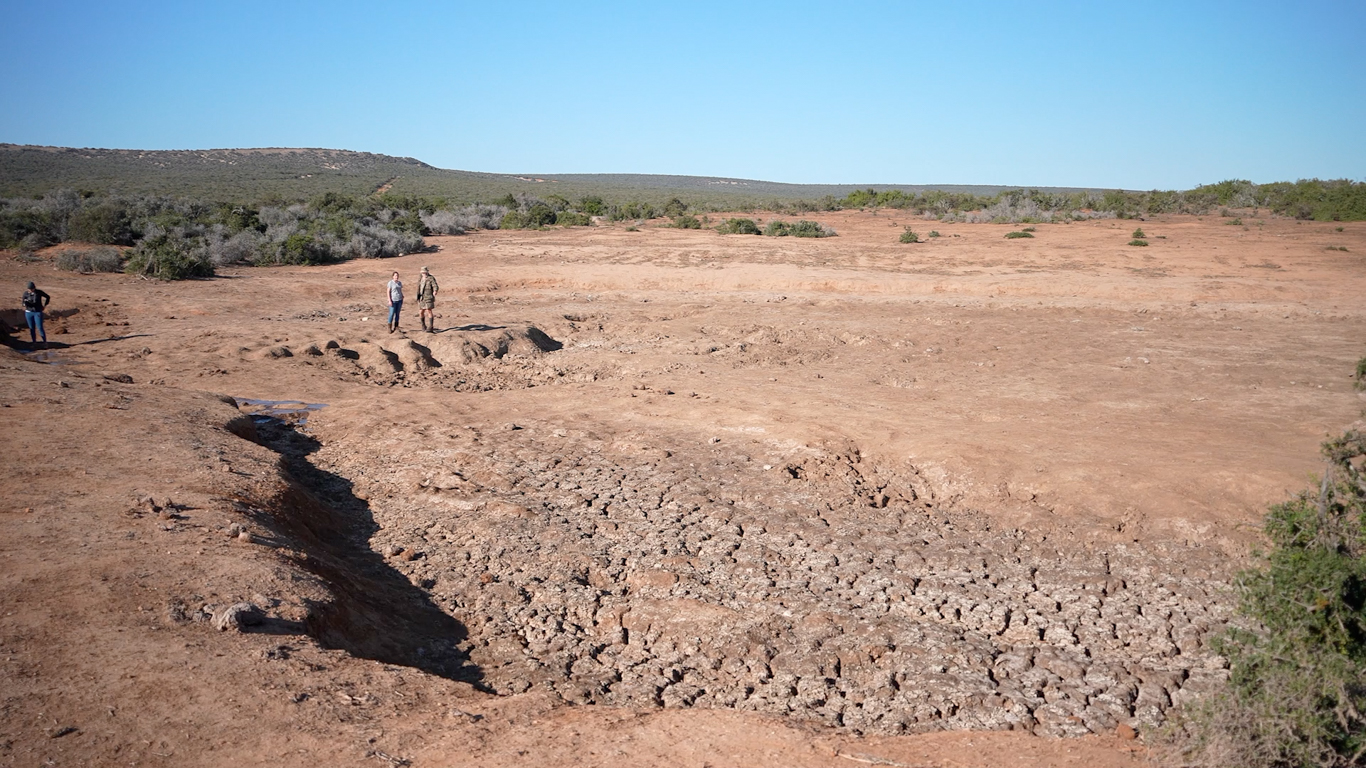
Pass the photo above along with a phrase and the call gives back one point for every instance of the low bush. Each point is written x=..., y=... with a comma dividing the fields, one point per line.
x=1296, y=693
x=107, y=223
x=90, y=260
x=1139, y=243
x=169, y=256
x=934, y=233
x=1028, y=229
x=910, y=236
x=514, y=220
x=572, y=219
x=739, y=227
x=1361, y=374
x=443, y=223
x=802, y=228
x=1234, y=222
x=1138, y=234
x=1017, y=235
x=686, y=221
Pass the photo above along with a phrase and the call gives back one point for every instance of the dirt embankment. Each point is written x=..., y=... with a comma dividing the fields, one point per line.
x=756, y=500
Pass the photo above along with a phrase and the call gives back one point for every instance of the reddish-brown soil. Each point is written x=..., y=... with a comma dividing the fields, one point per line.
x=964, y=422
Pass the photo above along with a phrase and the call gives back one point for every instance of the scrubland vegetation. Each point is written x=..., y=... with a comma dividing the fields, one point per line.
x=1297, y=659
x=352, y=211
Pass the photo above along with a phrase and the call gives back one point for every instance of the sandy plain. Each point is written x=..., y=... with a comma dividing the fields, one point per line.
x=662, y=496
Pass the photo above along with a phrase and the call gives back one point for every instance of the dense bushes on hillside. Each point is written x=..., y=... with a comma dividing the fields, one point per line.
x=176, y=238
x=1306, y=199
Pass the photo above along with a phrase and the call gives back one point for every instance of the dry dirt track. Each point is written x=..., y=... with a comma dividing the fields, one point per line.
x=806, y=495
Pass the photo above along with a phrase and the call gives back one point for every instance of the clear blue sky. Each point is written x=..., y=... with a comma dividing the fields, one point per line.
x=1105, y=94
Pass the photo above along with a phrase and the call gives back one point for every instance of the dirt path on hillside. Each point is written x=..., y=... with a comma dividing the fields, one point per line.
x=662, y=495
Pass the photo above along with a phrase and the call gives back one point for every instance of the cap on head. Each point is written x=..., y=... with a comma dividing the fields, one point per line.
x=424, y=269
x=31, y=286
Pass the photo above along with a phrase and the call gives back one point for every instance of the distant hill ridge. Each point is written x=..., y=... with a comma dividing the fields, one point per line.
x=250, y=174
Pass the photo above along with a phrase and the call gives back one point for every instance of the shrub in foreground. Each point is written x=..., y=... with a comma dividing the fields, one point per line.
x=1137, y=242
x=910, y=236
x=802, y=228
x=739, y=227
x=167, y=256
x=1017, y=235
x=1296, y=694
x=687, y=221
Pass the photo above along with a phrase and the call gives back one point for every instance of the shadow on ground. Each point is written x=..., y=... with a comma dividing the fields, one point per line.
x=377, y=613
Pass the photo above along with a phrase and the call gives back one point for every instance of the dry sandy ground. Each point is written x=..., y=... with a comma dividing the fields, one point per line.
x=1082, y=398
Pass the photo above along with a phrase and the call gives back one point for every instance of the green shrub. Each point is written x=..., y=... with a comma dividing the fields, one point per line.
x=1361, y=374
x=571, y=219
x=514, y=220
x=739, y=227
x=934, y=233
x=1337, y=229
x=106, y=223
x=90, y=260
x=1296, y=694
x=300, y=248
x=1017, y=235
x=1234, y=222
x=540, y=215
x=1138, y=234
x=168, y=257
x=1139, y=243
x=592, y=205
x=687, y=221
x=1028, y=229
x=909, y=236
x=1337, y=248
x=675, y=207
x=802, y=228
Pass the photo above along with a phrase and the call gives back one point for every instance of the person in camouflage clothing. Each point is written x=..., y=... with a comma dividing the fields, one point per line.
x=426, y=300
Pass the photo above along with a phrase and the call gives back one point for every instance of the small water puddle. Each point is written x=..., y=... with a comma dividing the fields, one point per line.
x=49, y=356
x=292, y=411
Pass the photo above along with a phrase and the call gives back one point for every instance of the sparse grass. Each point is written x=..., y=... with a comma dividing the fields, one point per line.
x=1017, y=235
x=1138, y=234
x=90, y=260
x=1296, y=691
x=1342, y=248
x=934, y=233
x=1361, y=374
x=1234, y=222
x=1028, y=229
x=1139, y=243
x=633, y=228
x=1337, y=229
x=910, y=236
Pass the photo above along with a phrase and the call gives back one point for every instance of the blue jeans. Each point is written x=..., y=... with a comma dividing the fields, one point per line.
x=394, y=309
x=35, y=325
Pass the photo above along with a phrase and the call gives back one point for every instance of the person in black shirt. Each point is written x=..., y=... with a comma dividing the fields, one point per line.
x=35, y=301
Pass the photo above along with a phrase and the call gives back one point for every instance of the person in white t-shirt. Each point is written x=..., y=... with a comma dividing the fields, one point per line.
x=395, y=292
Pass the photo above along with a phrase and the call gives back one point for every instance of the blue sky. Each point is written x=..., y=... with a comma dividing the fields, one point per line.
x=1134, y=95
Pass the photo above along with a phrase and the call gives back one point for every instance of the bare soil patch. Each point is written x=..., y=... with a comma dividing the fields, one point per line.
x=661, y=495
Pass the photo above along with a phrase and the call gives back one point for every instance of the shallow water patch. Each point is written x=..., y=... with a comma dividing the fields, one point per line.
x=292, y=411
